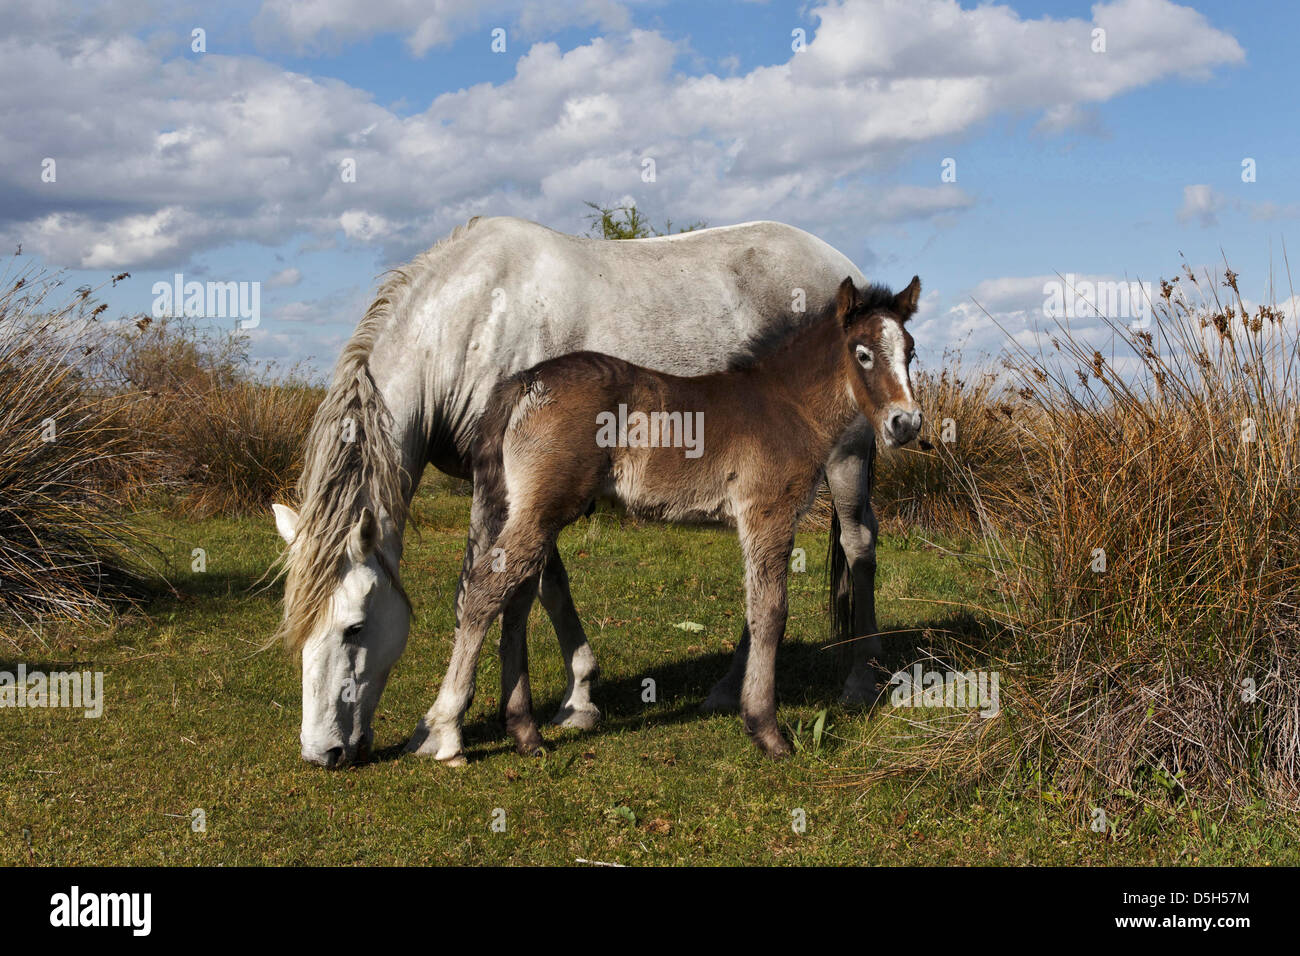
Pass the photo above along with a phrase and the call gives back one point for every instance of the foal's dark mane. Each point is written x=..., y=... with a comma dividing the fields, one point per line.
x=871, y=298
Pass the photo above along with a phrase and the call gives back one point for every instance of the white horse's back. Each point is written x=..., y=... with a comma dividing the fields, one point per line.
x=507, y=293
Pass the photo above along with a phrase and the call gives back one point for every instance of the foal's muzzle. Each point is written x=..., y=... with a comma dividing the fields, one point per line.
x=903, y=425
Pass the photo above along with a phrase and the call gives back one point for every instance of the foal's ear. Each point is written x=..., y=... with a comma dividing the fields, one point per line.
x=286, y=522
x=906, y=301
x=364, y=536
x=846, y=299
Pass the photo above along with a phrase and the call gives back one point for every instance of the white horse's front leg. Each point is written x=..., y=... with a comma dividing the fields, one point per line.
x=438, y=734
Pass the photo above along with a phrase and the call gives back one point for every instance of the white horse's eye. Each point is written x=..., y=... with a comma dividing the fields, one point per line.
x=353, y=631
x=864, y=356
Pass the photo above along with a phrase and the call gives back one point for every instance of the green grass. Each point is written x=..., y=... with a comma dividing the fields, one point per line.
x=197, y=718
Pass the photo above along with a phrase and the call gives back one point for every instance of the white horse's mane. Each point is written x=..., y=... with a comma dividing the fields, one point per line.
x=351, y=462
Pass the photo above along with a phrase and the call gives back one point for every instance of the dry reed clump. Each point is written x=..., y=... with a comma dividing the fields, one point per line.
x=65, y=552
x=1150, y=635
x=973, y=421
x=240, y=447
x=214, y=434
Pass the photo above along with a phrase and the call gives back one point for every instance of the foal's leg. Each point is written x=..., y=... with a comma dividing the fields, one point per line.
x=516, y=694
x=576, y=708
x=848, y=473
x=767, y=544
x=524, y=547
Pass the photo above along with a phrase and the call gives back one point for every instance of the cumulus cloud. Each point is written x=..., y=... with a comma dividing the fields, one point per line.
x=314, y=26
x=285, y=278
x=216, y=149
x=1024, y=311
x=1200, y=204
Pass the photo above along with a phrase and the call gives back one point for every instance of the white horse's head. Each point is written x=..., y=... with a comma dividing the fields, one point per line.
x=355, y=624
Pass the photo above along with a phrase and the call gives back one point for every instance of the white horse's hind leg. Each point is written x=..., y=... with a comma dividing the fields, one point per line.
x=576, y=708
x=724, y=698
x=848, y=473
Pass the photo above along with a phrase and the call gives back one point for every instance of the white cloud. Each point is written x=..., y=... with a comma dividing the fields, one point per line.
x=359, y=224
x=200, y=152
x=1000, y=313
x=319, y=25
x=1200, y=204
x=285, y=278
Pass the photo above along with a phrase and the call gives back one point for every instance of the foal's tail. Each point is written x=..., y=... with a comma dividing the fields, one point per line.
x=487, y=455
x=841, y=599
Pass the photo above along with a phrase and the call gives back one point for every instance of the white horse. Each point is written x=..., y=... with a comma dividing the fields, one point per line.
x=497, y=296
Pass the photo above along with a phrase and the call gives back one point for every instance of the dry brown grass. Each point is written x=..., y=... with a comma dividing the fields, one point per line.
x=65, y=551
x=235, y=450
x=1176, y=669
x=100, y=419
x=214, y=434
x=973, y=425
x=969, y=447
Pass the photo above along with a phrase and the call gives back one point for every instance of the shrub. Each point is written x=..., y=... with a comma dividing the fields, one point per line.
x=65, y=552
x=969, y=448
x=216, y=433
x=1150, y=636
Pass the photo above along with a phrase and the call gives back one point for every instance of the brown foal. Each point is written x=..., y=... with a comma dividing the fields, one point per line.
x=568, y=431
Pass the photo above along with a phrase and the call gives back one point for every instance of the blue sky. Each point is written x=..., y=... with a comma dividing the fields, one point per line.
x=223, y=165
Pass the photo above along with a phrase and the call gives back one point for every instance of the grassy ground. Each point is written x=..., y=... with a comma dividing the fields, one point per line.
x=197, y=719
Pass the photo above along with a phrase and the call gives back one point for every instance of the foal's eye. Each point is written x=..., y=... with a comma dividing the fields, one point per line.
x=353, y=631
x=864, y=356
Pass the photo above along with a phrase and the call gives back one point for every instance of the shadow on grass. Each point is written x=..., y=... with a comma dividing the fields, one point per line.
x=46, y=666
x=183, y=587
x=807, y=675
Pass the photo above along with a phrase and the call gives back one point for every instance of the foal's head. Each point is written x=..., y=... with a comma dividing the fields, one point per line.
x=879, y=353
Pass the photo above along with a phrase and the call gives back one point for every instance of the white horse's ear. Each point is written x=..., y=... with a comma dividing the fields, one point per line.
x=286, y=522
x=364, y=536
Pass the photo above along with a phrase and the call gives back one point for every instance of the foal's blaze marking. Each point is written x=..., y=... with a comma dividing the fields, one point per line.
x=773, y=424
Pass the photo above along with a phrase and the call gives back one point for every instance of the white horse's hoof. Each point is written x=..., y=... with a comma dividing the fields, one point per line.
x=579, y=718
x=858, y=695
x=424, y=743
x=720, y=702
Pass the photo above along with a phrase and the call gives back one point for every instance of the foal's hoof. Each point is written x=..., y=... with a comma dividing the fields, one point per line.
x=720, y=702
x=455, y=760
x=776, y=747
x=528, y=742
x=579, y=718
x=768, y=739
